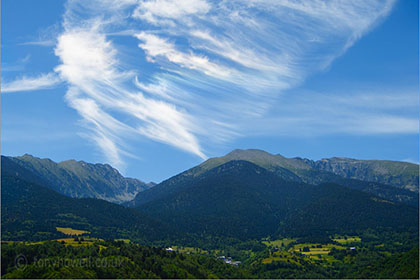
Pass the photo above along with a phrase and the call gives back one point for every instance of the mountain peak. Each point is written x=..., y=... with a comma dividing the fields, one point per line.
x=32, y=158
x=81, y=179
x=265, y=159
x=248, y=152
x=397, y=174
x=339, y=159
x=28, y=156
x=82, y=164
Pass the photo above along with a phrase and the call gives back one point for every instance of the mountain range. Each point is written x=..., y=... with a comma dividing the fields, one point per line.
x=246, y=194
x=31, y=211
x=242, y=200
x=367, y=176
x=82, y=180
x=394, y=173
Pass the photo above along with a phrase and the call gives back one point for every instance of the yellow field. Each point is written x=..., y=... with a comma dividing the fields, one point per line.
x=324, y=250
x=325, y=259
x=70, y=231
x=281, y=256
x=86, y=241
x=349, y=239
x=123, y=240
x=277, y=243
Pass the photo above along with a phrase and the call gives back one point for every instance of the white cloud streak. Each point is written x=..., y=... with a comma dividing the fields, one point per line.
x=221, y=63
x=105, y=128
x=155, y=46
x=43, y=81
x=41, y=43
x=17, y=66
x=156, y=10
x=210, y=70
x=99, y=89
x=356, y=113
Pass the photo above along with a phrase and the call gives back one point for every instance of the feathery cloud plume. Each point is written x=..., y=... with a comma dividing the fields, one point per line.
x=24, y=83
x=203, y=70
x=99, y=87
x=219, y=64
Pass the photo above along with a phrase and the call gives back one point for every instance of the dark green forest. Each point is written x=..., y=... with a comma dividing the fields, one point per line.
x=117, y=259
x=234, y=220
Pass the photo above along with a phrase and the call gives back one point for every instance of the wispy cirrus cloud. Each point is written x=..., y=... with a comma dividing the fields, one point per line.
x=42, y=43
x=156, y=47
x=17, y=66
x=217, y=60
x=209, y=71
x=105, y=129
x=90, y=66
x=45, y=37
x=155, y=11
x=24, y=83
x=368, y=112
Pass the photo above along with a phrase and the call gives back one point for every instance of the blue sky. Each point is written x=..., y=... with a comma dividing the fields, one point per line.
x=155, y=87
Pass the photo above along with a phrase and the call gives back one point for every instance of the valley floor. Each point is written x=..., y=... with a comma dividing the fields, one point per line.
x=338, y=257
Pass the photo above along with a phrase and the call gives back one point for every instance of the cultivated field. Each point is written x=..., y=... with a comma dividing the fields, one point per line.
x=70, y=231
x=347, y=239
x=279, y=243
